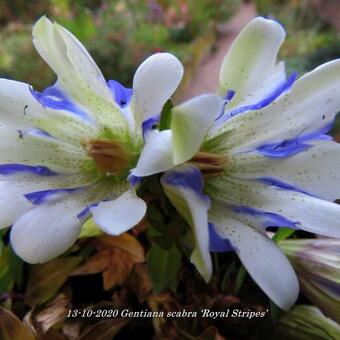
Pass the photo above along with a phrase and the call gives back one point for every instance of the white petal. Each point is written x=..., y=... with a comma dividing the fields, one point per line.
x=156, y=156
x=12, y=203
x=275, y=76
x=116, y=217
x=14, y=186
x=15, y=99
x=40, y=150
x=154, y=82
x=309, y=213
x=46, y=231
x=315, y=170
x=77, y=73
x=190, y=122
x=193, y=206
x=20, y=110
x=264, y=261
x=251, y=58
x=310, y=106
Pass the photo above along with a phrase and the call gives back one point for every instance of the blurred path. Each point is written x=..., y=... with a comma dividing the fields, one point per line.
x=206, y=78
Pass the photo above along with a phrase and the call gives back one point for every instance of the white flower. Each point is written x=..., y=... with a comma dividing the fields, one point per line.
x=262, y=148
x=66, y=152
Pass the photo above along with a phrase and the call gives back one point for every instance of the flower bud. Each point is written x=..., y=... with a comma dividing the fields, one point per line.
x=317, y=263
x=306, y=322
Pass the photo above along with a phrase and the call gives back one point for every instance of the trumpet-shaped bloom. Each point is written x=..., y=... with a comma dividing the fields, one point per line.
x=66, y=152
x=261, y=148
x=317, y=263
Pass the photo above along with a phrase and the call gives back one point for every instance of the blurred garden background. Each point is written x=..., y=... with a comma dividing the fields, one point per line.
x=120, y=35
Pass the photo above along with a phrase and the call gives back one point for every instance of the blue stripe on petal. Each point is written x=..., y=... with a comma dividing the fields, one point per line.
x=266, y=219
x=281, y=184
x=291, y=147
x=121, y=94
x=43, y=196
x=134, y=180
x=54, y=98
x=190, y=177
x=186, y=176
x=36, y=132
x=284, y=149
x=282, y=88
x=9, y=169
x=86, y=213
x=218, y=244
x=149, y=124
x=230, y=94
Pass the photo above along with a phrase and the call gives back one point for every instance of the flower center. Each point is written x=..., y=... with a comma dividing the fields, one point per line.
x=210, y=164
x=110, y=156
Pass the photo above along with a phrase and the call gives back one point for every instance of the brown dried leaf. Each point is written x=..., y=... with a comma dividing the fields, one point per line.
x=71, y=328
x=120, y=266
x=139, y=282
x=95, y=264
x=40, y=320
x=165, y=302
x=104, y=330
x=125, y=242
x=45, y=279
x=115, y=258
x=12, y=328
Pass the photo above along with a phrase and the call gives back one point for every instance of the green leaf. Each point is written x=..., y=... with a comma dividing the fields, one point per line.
x=163, y=266
x=16, y=265
x=165, y=121
x=45, y=279
x=2, y=233
x=282, y=234
x=6, y=276
x=241, y=275
x=154, y=214
x=12, y=328
x=227, y=276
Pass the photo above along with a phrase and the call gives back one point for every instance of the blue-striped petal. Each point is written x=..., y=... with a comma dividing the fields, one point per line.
x=277, y=92
x=184, y=187
x=44, y=196
x=121, y=94
x=54, y=98
x=265, y=218
x=294, y=146
x=217, y=243
x=10, y=169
